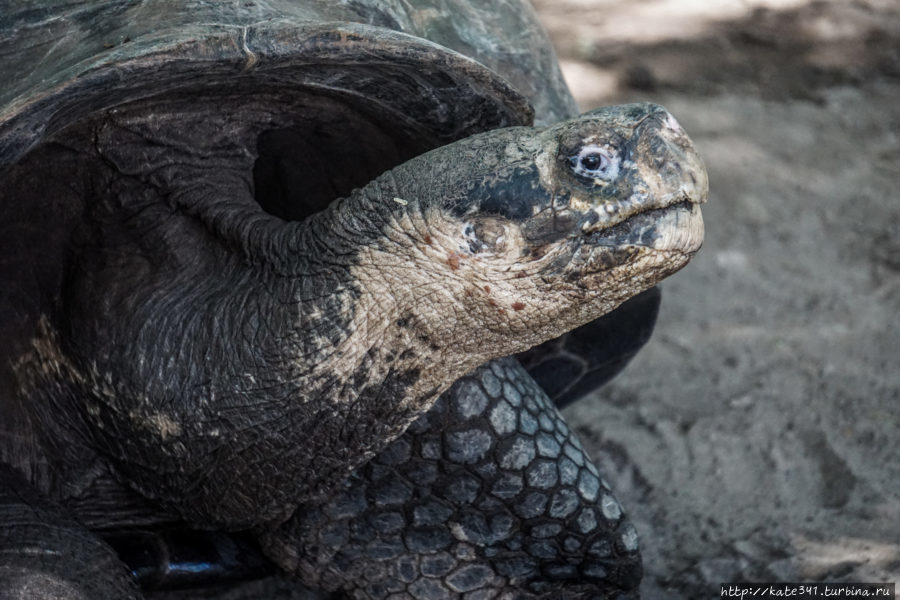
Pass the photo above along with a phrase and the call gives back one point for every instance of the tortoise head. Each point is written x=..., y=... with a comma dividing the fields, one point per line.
x=542, y=230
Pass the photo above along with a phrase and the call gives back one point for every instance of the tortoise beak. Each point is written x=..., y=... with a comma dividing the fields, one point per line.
x=677, y=166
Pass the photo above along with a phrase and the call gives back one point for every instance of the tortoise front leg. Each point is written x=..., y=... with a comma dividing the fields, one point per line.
x=46, y=554
x=488, y=495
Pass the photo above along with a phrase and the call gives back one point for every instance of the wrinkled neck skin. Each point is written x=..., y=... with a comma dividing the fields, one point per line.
x=234, y=365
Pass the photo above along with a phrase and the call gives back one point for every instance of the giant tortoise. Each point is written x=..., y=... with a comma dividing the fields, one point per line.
x=260, y=264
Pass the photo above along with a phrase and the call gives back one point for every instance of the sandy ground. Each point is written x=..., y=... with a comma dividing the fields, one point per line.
x=757, y=436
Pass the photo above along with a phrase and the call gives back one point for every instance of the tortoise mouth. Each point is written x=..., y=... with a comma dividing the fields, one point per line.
x=640, y=225
x=676, y=227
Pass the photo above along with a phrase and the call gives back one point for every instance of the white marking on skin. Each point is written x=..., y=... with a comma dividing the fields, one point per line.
x=33, y=551
x=252, y=59
x=47, y=363
x=546, y=165
x=672, y=123
x=458, y=532
x=580, y=205
x=158, y=423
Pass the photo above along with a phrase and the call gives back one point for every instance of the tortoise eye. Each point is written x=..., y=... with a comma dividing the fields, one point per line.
x=594, y=162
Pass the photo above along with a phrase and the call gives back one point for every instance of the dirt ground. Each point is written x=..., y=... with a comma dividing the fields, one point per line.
x=757, y=436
